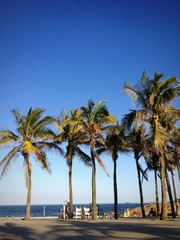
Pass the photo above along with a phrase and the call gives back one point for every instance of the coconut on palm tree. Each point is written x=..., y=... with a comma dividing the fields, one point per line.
x=31, y=139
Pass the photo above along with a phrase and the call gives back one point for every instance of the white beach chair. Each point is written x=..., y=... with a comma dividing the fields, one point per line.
x=87, y=212
x=77, y=212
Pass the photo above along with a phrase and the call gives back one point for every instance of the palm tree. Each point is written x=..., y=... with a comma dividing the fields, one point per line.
x=154, y=98
x=175, y=163
x=175, y=192
x=32, y=138
x=136, y=140
x=70, y=129
x=152, y=161
x=115, y=143
x=169, y=123
x=170, y=194
x=96, y=119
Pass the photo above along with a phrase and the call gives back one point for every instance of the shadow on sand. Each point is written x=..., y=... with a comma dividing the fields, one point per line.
x=15, y=231
x=83, y=230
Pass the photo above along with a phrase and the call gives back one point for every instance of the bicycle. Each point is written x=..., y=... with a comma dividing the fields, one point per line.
x=100, y=212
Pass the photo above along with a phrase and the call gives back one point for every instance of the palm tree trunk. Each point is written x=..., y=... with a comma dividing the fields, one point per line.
x=94, y=210
x=140, y=187
x=70, y=193
x=163, y=215
x=170, y=195
x=115, y=192
x=28, y=204
x=175, y=193
x=157, y=194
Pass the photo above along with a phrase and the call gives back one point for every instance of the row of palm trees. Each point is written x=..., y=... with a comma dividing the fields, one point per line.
x=154, y=126
x=150, y=131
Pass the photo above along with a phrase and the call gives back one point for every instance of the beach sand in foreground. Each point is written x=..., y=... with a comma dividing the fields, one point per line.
x=123, y=228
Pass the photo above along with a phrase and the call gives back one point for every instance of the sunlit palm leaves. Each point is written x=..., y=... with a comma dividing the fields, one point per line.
x=33, y=137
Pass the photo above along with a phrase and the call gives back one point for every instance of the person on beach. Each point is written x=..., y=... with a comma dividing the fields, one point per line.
x=152, y=213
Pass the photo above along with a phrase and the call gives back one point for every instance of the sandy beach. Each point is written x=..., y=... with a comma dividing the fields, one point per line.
x=123, y=228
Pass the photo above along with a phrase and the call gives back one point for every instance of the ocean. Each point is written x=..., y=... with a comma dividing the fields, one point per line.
x=39, y=211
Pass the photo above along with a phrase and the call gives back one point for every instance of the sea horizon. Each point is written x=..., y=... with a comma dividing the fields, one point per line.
x=55, y=210
x=22, y=204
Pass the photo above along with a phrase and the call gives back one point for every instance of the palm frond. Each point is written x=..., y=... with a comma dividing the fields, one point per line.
x=144, y=78
x=50, y=146
x=20, y=123
x=168, y=83
x=44, y=133
x=173, y=111
x=41, y=158
x=128, y=119
x=107, y=120
x=70, y=153
x=144, y=174
x=7, y=137
x=156, y=80
x=40, y=125
x=84, y=157
x=6, y=161
x=32, y=118
x=100, y=162
x=128, y=89
x=160, y=137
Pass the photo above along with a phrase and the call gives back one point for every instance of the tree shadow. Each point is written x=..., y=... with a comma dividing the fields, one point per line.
x=87, y=230
x=14, y=231
x=110, y=230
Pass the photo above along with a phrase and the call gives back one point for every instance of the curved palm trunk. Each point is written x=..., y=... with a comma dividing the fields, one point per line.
x=170, y=195
x=70, y=193
x=175, y=193
x=28, y=178
x=157, y=194
x=140, y=186
x=163, y=215
x=115, y=191
x=94, y=211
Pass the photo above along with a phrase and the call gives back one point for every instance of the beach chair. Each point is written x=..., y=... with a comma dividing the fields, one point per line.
x=77, y=212
x=87, y=212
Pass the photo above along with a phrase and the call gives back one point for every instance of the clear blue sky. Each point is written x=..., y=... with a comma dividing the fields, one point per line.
x=58, y=54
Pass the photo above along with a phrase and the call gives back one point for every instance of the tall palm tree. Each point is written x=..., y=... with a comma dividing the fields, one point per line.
x=115, y=143
x=176, y=164
x=175, y=192
x=170, y=194
x=96, y=119
x=154, y=98
x=136, y=139
x=31, y=139
x=175, y=161
x=152, y=161
x=71, y=132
